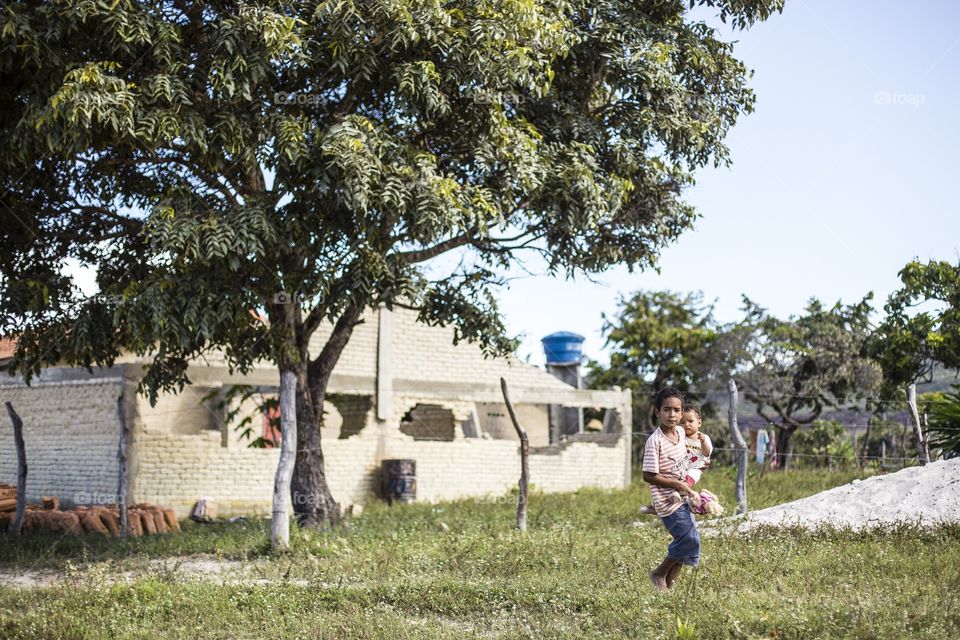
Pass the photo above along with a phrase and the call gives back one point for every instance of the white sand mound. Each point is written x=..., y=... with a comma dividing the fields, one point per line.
x=928, y=495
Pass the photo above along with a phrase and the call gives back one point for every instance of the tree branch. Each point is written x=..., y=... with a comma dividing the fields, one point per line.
x=421, y=255
x=320, y=368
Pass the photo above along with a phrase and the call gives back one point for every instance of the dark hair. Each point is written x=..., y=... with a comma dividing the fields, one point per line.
x=694, y=408
x=667, y=392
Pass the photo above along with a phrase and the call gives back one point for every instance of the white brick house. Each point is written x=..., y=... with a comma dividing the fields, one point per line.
x=400, y=390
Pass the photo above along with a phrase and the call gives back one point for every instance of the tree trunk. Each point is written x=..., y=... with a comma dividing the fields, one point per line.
x=864, y=450
x=783, y=445
x=280, y=524
x=313, y=503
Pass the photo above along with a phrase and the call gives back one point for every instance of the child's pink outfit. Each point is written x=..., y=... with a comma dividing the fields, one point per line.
x=696, y=463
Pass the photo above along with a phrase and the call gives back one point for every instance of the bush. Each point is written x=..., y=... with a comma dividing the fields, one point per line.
x=944, y=429
x=823, y=441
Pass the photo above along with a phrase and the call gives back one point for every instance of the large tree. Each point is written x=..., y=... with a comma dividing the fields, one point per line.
x=793, y=370
x=657, y=339
x=311, y=159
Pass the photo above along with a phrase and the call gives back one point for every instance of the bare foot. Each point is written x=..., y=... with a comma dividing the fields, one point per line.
x=658, y=582
x=672, y=574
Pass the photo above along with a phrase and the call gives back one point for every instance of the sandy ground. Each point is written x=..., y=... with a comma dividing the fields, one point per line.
x=927, y=496
x=207, y=568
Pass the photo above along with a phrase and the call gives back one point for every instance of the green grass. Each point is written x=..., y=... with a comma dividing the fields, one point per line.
x=458, y=570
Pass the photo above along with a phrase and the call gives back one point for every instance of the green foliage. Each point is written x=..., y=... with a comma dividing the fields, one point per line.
x=686, y=630
x=657, y=339
x=922, y=326
x=794, y=369
x=235, y=400
x=827, y=439
x=944, y=427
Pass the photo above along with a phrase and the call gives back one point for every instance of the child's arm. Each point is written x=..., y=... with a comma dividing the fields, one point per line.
x=666, y=481
x=706, y=445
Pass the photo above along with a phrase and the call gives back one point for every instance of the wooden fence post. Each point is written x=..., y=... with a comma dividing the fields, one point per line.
x=280, y=522
x=17, y=525
x=524, y=465
x=122, y=463
x=923, y=452
x=866, y=442
x=740, y=490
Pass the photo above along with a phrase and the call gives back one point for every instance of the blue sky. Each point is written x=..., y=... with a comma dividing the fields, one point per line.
x=844, y=173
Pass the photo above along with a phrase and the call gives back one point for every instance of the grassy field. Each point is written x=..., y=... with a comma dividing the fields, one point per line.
x=459, y=570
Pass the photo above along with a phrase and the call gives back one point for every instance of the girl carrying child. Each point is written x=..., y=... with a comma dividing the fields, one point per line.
x=699, y=448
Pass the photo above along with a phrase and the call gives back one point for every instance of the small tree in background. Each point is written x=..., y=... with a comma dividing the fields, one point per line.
x=921, y=329
x=795, y=369
x=656, y=339
x=824, y=441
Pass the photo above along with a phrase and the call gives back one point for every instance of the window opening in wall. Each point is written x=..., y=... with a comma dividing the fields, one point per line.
x=354, y=411
x=601, y=420
x=271, y=426
x=428, y=422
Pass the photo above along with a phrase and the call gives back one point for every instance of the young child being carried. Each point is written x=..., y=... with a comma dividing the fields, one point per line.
x=699, y=449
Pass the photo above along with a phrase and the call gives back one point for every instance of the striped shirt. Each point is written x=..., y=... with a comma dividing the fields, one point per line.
x=662, y=456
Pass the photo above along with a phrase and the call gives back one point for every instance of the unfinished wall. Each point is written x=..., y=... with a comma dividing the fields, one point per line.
x=176, y=469
x=70, y=433
x=482, y=467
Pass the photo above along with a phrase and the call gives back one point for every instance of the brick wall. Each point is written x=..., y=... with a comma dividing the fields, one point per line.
x=70, y=433
x=175, y=470
x=425, y=353
x=177, y=455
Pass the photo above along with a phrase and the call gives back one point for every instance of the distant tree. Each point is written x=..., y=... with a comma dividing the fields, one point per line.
x=310, y=160
x=656, y=339
x=922, y=327
x=824, y=440
x=793, y=370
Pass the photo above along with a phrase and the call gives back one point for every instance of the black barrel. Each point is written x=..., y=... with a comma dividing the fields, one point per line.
x=400, y=480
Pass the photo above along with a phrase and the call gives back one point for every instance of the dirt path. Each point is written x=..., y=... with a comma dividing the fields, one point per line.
x=207, y=568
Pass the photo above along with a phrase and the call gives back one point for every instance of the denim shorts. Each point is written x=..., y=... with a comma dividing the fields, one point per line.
x=686, y=540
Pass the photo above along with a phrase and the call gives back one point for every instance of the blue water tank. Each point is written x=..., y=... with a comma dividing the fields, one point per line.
x=563, y=347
